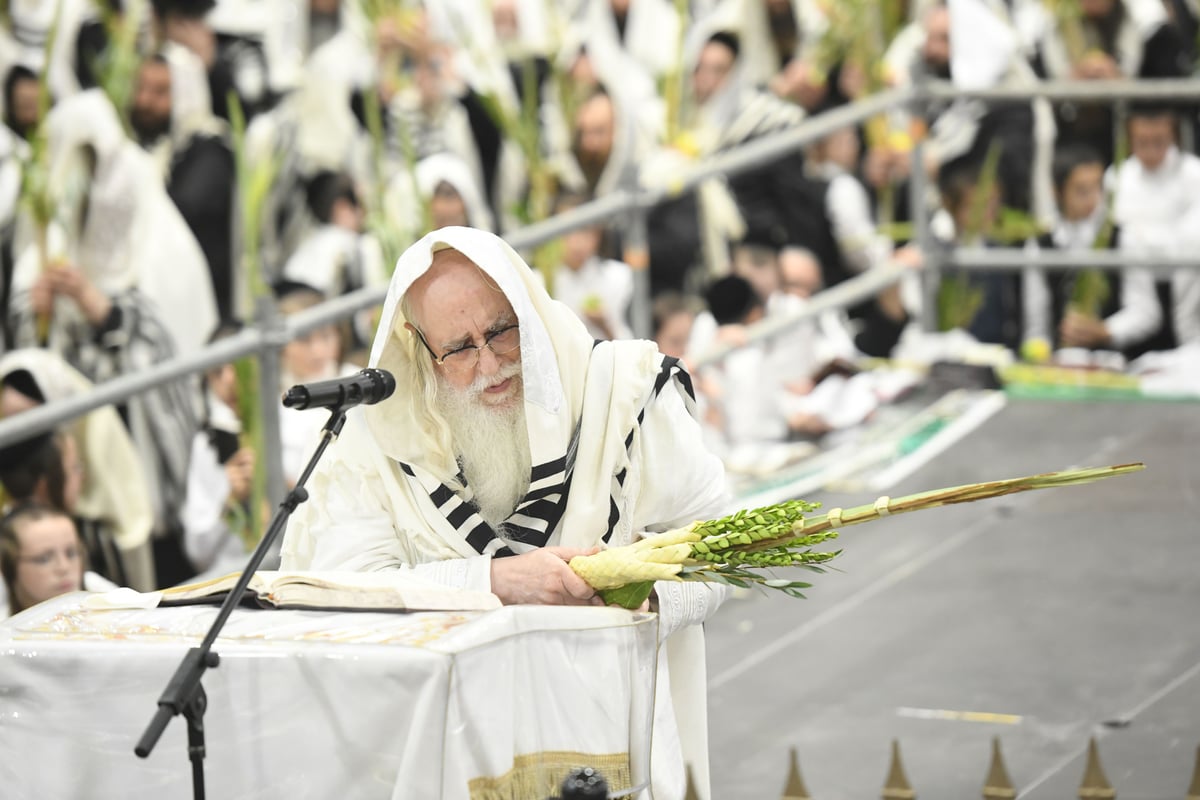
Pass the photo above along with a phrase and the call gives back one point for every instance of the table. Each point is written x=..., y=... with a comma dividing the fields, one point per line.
x=305, y=704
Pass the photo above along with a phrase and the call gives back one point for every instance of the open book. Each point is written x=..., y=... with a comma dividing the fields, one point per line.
x=335, y=591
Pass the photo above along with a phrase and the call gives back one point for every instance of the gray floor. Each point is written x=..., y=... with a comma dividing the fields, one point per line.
x=1075, y=610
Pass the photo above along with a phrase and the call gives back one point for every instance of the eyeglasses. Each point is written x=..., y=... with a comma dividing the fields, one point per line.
x=71, y=554
x=463, y=359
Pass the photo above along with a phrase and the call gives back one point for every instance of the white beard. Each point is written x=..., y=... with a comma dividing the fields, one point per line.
x=491, y=441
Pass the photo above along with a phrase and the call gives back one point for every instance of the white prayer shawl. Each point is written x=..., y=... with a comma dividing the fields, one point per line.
x=114, y=489
x=748, y=19
x=479, y=58
x=986, y=50
x=1139, y=315
x=346, y=57
x=651, y=34
x=615, y=452
x=446, y=129
x=1129, y=51
x=449, y=168
x=12, y=150
x=30, y=29
x=134, y=235
x=634, y=133
x=191, y=107
x=1159, y=214
x=312, y=129
x=334, y=260
x=602, y=283
x=537, y=20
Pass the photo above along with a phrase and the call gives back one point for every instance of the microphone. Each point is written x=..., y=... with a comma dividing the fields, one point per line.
x=366, y=387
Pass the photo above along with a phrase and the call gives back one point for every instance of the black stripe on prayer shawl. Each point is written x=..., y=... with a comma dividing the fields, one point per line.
x=458, y=516
x=532, y=521
x=541, y=509
x=539, y=514
x=671, y=368
x=549, y=469
x=441, y=495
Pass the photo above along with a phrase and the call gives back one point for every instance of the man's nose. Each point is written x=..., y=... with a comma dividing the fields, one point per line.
x=489, y=362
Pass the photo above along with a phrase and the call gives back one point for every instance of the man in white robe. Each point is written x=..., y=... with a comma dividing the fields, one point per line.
x=513, y=443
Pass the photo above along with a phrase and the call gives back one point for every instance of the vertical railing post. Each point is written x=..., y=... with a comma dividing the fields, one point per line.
x=918, y=184
x=636, y=253
x=273, y=337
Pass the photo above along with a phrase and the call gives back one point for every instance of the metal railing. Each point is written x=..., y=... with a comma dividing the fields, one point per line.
x=270, y=332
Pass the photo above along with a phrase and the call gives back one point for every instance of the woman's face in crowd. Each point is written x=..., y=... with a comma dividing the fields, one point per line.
x=50, y=562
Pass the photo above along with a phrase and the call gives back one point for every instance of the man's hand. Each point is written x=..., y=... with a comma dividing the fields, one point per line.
x=1097, y=65
x=41, y=294
x=195, y=35
x=72, y=283
x=1080, y=330
x=543, y=577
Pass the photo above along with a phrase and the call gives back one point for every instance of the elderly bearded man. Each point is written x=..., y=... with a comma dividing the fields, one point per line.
x=514, y=442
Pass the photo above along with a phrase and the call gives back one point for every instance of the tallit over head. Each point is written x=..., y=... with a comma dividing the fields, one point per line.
x=449, y=168
x=114, y=489
x=554, y=352
x=132, y=234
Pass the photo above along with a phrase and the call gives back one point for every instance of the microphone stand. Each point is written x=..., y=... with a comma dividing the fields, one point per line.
x=184, y=693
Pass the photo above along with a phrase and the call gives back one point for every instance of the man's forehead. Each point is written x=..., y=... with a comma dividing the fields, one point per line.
x=453, y=281
x=451, y=267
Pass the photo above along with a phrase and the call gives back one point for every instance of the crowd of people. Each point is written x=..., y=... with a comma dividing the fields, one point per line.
x=160, y=161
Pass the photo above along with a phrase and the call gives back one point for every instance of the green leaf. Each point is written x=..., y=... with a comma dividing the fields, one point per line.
x=631, y=595
x=780, y=583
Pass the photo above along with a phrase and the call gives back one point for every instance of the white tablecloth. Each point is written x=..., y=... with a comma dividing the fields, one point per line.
x=496, y=704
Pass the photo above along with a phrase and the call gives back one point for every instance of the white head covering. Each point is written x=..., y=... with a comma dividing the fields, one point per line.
x=453, y=170
x=113, y=489
x=982, y=44
x=134, y=234
x=578, y=450
x=30, y=23
x=12, y=150
x=191, y=100
x=748, y=18
x=548, y=396
x=650, y=37
x=104, y=246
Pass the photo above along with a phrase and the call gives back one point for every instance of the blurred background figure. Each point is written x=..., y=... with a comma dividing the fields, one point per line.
x=339, y=255
x=599, y=290
x=220, y=476
x=315, y=356
x=112, y=506
x=172, y=118
x=42, y=557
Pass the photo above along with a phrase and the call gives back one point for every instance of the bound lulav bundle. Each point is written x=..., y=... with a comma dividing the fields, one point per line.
x=737, y=548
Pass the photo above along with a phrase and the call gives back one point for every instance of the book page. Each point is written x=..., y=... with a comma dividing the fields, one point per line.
x=394, y=589
x=209, y=588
